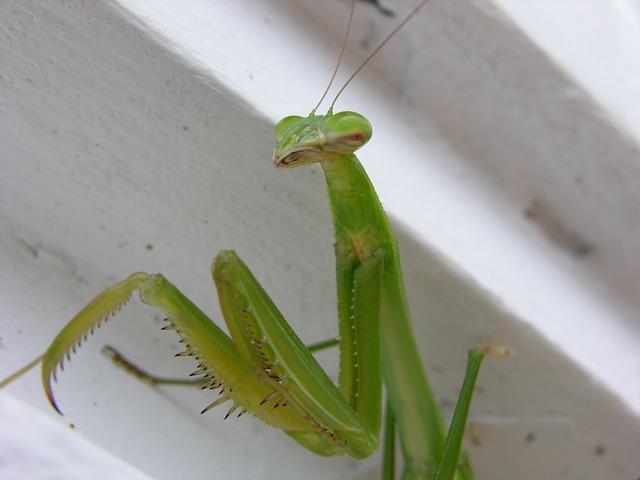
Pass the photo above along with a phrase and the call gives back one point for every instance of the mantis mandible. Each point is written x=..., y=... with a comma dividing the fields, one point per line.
x=266, y=370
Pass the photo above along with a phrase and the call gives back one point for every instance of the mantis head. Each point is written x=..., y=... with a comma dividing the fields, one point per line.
x=318, y=138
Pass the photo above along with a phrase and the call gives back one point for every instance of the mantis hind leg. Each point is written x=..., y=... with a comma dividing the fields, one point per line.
x=452, y=459
x=130, y=367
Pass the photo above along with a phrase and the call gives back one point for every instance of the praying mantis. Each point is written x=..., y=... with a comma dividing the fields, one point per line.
x=265, y=355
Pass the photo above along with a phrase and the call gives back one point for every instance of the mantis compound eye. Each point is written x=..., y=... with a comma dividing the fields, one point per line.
x=285, y=124
x=346, y=132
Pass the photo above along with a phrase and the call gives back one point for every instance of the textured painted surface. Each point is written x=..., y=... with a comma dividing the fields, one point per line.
x=40, y=447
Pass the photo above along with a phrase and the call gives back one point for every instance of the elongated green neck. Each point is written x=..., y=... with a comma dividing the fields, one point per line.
x=361, y=229
x=354, y=202
x=346, y=175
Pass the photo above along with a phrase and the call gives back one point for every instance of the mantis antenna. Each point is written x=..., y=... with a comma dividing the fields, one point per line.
x=335, y=70
x=382, y=44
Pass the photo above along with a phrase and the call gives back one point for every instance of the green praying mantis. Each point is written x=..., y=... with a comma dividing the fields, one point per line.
x=265, y=369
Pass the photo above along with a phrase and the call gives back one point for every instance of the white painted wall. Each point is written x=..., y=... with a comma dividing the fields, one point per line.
x=135, y=123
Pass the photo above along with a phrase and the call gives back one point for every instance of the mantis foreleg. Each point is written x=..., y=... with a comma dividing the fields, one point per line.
x=264, y=368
